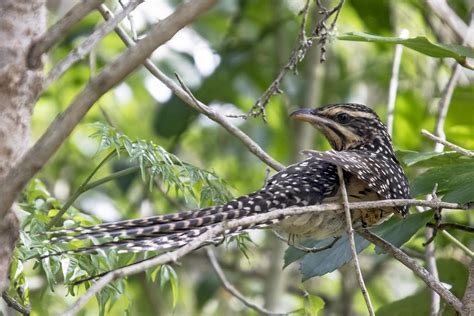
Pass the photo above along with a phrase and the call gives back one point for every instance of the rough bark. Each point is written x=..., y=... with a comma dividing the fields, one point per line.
x=20, y=22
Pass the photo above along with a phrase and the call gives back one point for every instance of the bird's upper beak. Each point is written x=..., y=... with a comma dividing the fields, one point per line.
x=309, y=115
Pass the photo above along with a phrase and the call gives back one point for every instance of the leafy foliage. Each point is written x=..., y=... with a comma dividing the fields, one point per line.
x=154, y=161
x=203, y=186
x=453, y=173
x=397, y=231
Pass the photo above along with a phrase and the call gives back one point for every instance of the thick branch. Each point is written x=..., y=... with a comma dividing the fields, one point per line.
x=416, y=268
x=63, y=125
x=196, y=104
x=59, y=30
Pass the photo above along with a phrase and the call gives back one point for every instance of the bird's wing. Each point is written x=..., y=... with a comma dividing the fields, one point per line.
x=381, y=173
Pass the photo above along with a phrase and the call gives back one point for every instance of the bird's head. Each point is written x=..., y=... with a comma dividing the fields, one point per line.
x=348, y=126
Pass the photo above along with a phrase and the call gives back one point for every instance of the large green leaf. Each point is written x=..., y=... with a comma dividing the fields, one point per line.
x=429, y=159
x=420, y=44
x=455, y=181
x=397, y=231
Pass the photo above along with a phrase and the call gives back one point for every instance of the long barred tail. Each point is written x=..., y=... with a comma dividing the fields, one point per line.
x=167, y=231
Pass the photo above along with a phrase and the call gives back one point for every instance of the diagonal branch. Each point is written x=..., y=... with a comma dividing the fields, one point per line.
x=231, y=289
x=456, y=148
x=63, y=125
x=59, y=30
x=350, y=234
x=187, y=97
x=424, y=274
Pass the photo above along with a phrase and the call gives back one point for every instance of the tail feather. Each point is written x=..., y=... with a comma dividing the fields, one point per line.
x=172, y=230
x=161, y=243
x=154, y=230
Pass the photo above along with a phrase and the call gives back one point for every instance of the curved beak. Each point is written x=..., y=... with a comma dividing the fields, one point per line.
x=309, y=115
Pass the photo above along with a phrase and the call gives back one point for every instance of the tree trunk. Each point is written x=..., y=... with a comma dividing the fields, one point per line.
x=21, y=21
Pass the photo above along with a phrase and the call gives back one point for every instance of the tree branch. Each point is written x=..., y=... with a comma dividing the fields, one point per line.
x=188, y=98
x=444, y=11
x=231, y=289
x=85, y=47
x=456, y=148
x=415, y=267
x=63, y=125
x=350, y=234
x=58, y=31
x=24, y=310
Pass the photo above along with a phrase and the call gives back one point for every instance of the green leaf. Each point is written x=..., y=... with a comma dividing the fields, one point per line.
x=455, y=181
x=416, y=304
x=429, y=159
x=420, y=44
x=206, y=289
x=397, y=231
x=313, y=304
x=168, y=275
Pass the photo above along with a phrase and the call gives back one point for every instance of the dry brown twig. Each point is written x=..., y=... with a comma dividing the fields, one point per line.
x=320, y=32
x=350, y=234
x=456, y=148
x=231, y=289
x=424, y=274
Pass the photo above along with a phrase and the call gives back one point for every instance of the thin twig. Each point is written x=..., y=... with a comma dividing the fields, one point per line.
x=424, y=274
x=443, y=105
x=392, y=91
x=59, y=30
x=457, y=226
x=85, y=47
x=303, y=248
x=34, y=159
x=456, y=148
x=201, y=107
x=24, y=310
x=231, y=289
x=447, y=14
x=320, y=32
x=350, y=234
x=78, y=191
x=453, y=239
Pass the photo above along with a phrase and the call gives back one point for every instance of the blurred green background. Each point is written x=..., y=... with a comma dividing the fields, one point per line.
x=228, y=58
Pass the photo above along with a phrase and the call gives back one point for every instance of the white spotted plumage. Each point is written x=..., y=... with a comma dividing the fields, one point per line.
x=364, y=152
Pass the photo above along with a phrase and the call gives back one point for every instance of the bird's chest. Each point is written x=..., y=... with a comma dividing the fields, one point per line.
x=320, y=225
x=358, y=191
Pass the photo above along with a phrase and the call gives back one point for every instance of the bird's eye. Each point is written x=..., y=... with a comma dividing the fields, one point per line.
x=343, y=118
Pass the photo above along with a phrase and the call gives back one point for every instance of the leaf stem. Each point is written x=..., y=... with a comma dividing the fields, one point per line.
x=81, y=189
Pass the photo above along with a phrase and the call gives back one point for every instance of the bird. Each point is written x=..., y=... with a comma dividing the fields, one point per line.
x=361, y=147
